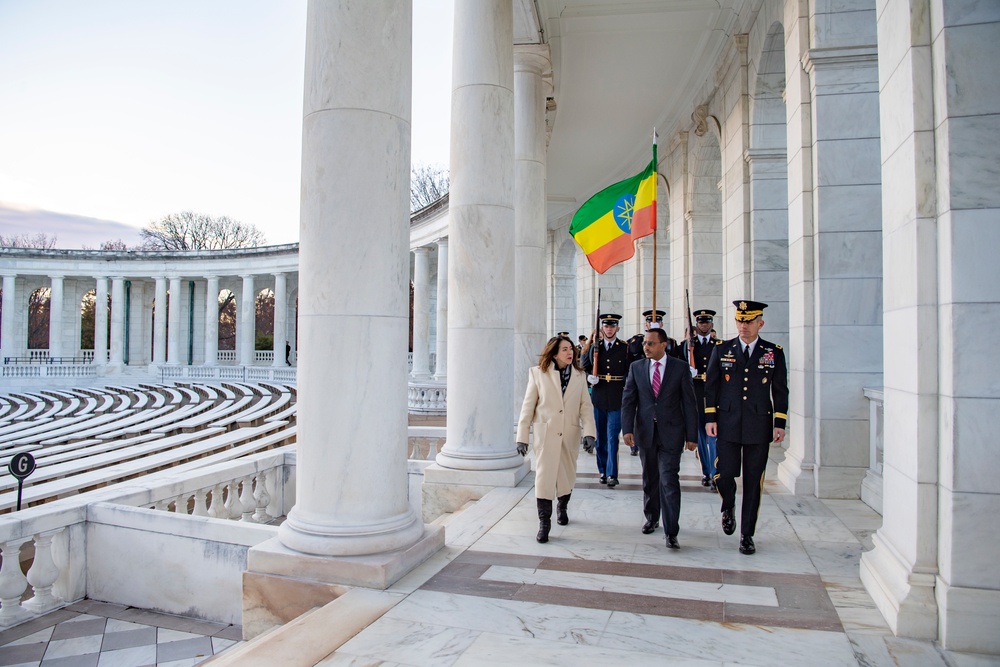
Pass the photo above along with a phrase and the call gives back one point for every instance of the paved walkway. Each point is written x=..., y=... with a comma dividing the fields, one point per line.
x=599, y=593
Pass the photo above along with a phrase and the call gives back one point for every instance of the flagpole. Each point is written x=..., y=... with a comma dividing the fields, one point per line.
x=656, y=179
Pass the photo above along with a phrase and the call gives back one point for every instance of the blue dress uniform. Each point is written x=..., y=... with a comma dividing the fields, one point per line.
x=747, y=399
x=702, y=354
x=612, y=367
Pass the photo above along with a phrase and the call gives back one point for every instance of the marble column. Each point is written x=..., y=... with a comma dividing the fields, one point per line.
x=351, y=492
x=246, y=337
x=173, y=303
x=56, y=307
x=211, y=320
x=117, y=322
x=101, y=322
x=531, y=65
x=481, y=411
x=441, y=341
x=933, y=572
x=844, y=271
x=8, y=336
x=280, y=318
x=160, y=322
x=421, y=313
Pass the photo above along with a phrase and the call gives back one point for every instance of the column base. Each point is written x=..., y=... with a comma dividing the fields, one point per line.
x=905, y=598
x=446, y=490
x=797, y=476
x=838, y=482
x=871, y=490
x=969, y=618
x=280, y=584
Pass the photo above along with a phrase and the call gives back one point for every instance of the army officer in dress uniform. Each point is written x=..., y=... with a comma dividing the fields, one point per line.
x=607, y=378
x=746, y=405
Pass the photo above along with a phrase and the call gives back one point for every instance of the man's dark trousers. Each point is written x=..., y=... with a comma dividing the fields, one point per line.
x=660, y=462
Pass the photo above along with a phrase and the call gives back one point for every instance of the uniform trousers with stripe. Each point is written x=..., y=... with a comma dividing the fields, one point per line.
x=753, y=460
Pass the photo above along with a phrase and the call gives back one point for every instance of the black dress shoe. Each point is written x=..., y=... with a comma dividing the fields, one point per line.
x=604, y=479
x=672, y=542
x=612, y=482
x=728, y=522
x=649, y=527
x=746, y=545
x=635, y=451
x=705, y=481
x=714, y=487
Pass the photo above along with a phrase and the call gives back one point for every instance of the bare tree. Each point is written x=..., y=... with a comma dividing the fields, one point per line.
x=428, y=183
x=38, y=319
x=264, y=320
x=195, y=231
x=40, y=241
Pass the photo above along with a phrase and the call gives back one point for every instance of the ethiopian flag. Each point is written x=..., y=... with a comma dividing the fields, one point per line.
x=607, y=225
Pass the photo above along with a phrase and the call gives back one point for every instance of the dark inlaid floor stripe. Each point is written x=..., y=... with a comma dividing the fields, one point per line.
x=802, y=598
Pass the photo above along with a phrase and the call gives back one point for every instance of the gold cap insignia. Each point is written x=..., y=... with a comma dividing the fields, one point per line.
x=743, y=305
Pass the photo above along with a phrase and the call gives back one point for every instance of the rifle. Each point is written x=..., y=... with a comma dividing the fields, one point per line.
x=594, y=338
x=690, y=336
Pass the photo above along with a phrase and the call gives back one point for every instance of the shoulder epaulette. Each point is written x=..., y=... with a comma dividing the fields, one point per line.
x=778, y=346
x=719, y=342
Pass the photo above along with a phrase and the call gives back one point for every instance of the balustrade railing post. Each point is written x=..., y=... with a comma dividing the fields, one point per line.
x=263, y=499
x=42, y=575
x=247, y=500
x=200, y=497
x=12, y=584
x=234, y=508
x=218, y=509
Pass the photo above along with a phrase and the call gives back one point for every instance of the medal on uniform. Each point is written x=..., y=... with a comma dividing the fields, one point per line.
x=764, y=381
x=727, y=378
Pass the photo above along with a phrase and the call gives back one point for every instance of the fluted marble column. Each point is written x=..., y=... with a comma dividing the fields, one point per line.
x=160, y=322
x=280, y=318
x=56, y=317
x=441, y=340
x=101, y=322
x=481, y=413
x=421, y=313
x=211, y=320
x=8, y=338
x=531, y=64
x=351, y=492
x=117, y=322
x=174, y=323
x=246, y=337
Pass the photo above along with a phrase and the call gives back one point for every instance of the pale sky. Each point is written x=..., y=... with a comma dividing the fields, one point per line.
x=125, y=110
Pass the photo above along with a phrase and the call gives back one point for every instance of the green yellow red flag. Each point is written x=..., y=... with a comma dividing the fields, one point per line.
x=607, y=224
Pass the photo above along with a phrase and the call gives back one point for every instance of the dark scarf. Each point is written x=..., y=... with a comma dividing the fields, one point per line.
x=564, y=376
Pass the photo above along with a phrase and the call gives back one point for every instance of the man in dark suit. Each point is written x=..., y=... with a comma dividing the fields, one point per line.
x=660, y=417
x=746, y=406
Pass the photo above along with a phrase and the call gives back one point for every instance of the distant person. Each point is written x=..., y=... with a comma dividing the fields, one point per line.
x=660, y=417
x=556, y=403
x=288, y=354
x=746, y=406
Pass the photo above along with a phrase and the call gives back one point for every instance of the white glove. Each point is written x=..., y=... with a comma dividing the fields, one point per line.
x=592, y=379
x=694, y=371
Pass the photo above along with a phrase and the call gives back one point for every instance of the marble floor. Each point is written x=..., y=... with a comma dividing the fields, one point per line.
x=600, y=592
x=97, y=634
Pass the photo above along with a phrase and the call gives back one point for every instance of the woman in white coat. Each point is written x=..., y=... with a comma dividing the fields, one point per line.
x=555, y=403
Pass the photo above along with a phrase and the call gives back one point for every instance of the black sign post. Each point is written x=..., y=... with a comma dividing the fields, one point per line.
x=21, y=465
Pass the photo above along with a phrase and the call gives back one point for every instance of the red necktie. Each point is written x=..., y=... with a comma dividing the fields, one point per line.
x=656, y=378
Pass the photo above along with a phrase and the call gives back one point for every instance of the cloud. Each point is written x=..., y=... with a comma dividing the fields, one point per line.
x=71, y=231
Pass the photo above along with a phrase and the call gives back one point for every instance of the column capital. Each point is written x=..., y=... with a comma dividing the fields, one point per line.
x=441, y=242
x=819, y=58
x=422, y=250
x=247, y=276
x=534, y=58
x=279, y=273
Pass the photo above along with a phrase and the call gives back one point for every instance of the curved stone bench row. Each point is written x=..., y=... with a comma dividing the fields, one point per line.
x=88, y=438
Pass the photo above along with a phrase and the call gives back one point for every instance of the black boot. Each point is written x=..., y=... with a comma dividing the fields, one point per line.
x=544, y=519
x=562, y=518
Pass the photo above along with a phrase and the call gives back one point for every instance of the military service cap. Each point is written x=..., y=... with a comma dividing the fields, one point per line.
x=659, y=315
x=704, y=315
x=610, y=318
x=563, y=333
x=747, y=311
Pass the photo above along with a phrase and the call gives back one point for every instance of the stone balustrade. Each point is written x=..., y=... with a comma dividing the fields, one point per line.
x=427, y=397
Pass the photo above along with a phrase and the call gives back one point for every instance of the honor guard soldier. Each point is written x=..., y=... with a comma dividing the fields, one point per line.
x=607, y=380
x=746, y=406
x=703, y=345
x=635, y=351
